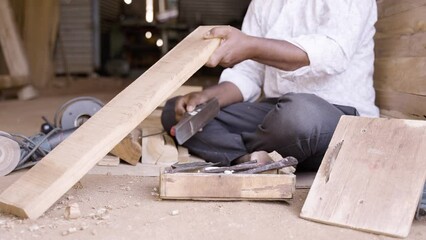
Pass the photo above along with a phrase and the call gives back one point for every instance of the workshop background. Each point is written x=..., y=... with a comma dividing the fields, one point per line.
x=61, y=56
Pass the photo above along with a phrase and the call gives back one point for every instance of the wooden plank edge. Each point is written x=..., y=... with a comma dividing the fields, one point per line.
x=403, y=234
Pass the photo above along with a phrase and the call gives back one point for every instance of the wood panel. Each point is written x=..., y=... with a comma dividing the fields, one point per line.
x=400, y=66
x=39, y=34
x=203, y=186
x=11, y=44
x=406, y=75
x=401, y=46
x=411, y=105
x=388, y=8
x=46, y=182
x=376, y=179
x=408, y=22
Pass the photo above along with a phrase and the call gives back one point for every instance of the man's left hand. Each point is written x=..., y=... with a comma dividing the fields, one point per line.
x=235, y=46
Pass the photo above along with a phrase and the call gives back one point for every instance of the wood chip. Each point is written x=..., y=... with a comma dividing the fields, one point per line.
x=72, y=211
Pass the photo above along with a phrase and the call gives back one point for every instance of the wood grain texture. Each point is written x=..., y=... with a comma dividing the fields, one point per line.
x=204, y=186
x=406, y=75
x=158, y=149
x=130, y=148
x=46, y=182
x=376, y=180
x=406, y=22
x=40, y=30
x=388, y=8
x=7, y=81
x=11, y=44
x=413, y=45
x=410, y=105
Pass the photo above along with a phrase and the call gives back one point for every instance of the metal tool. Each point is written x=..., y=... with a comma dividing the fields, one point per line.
x=285, y=162
x=31, y=149
x=194, y=121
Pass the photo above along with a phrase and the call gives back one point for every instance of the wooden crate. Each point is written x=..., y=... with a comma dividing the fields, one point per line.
x=207, y=186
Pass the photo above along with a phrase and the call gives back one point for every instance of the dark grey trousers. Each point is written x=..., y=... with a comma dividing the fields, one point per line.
x=299, y=125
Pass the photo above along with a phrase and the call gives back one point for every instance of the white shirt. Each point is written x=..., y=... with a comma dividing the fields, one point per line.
x=337, y=36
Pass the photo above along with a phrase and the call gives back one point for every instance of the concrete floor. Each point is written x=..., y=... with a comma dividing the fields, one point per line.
x=126, y=206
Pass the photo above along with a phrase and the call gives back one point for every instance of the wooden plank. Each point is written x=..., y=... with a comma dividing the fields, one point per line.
x=109, y=160
x=39, y=34
x=7, y=81
x=46, y=182
x=11, y=43
x=401, y=46
x=388, y=8
x=407, y=75
x=203, y=186
x=375, y=182
x=158, y=148
x=408, y=104
x=408, y=22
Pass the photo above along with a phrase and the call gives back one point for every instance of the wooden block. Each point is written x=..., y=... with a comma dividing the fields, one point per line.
x=109, y=160
x=375, y=182
x=158, y=149
x=129, y=149
x=152, y=121
x=183, y=154
x=46, y=182
x=203, y=186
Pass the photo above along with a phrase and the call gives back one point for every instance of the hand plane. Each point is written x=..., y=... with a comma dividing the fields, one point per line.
x=194, y=121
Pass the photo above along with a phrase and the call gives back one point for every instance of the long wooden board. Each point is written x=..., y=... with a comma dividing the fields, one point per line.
x=45, y=183
x=375, y=182
x=204, y=186
x=12, y=46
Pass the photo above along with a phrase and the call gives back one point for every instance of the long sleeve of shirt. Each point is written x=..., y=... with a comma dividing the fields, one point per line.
x=338, y=39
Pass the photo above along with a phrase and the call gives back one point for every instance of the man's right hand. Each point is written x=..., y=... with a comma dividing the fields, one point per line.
x=188, y=103
x=226, y=93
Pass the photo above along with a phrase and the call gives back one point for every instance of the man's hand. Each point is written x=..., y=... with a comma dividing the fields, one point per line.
x=188, y=103
x=234, y=48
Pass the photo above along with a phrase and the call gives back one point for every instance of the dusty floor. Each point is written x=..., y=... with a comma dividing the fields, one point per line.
x=127, y=206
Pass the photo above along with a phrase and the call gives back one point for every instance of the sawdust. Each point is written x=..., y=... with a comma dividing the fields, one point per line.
x=110, y=212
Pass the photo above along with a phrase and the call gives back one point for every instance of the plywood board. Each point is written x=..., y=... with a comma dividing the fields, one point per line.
x=46, y=182
x=375, y=182
x=204, y=186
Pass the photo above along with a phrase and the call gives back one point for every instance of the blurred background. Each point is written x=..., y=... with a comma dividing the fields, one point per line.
x=109, y=38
